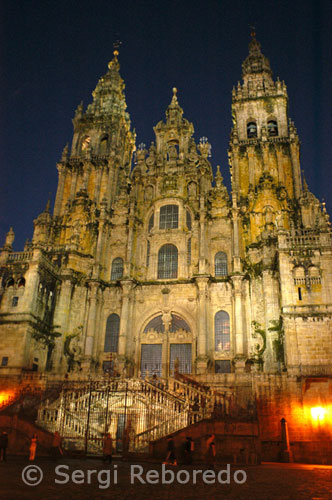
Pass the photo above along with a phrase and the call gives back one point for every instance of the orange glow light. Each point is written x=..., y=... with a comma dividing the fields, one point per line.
x=5, y=396
x=318, y=413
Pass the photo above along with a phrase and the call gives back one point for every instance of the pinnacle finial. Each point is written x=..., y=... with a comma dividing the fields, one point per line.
x=252, y=31
x=114, y=64
x=174, y=98
x=116, y=47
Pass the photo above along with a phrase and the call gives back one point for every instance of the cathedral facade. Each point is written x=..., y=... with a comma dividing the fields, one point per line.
x=149, y=269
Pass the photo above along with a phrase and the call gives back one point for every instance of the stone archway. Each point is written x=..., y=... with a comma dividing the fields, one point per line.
x=166, y=339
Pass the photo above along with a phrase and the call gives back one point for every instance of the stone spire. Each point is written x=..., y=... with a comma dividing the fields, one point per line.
x=174, y=112
x=256, y=67
x=108, y=96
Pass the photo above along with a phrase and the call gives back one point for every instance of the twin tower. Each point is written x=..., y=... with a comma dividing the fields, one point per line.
x=140, y=269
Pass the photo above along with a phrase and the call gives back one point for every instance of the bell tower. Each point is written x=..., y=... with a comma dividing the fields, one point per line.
x=264, y=146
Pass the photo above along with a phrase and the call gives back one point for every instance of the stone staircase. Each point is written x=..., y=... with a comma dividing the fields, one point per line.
x=147, y=410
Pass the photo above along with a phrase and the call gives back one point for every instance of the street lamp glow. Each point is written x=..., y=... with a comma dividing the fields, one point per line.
x=318, y=413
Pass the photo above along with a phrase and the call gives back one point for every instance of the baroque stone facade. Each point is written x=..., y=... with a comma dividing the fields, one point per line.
x=156, y=267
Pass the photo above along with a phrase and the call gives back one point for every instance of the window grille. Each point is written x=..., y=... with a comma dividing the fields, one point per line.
x=151, y=359
x=222, y=366
x=183, y=353
x=14, y=301
x=4, y=361
x=117, y=269
x=220, y=261
x=178, y=323
x=112, y=333
x=222, y=331
x=155, y=324
x=169, y=217
x=168, y=262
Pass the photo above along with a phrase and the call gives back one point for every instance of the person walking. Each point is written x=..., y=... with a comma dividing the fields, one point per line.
x=3, y=446
x=108, y=448
x=188, y=449
x=210, y=451
x=56, y=445
x=170, y=457
x=33, y=447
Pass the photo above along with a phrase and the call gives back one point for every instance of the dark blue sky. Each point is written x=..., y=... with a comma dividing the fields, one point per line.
x=53, y=53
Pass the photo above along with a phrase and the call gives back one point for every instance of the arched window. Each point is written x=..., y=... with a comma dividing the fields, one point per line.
x=169, y=217
x=85, y=143
x=21, y=282
x=188, y=220
x=103, y=146
x=117, y=269
x=10, y=282
x=220, y=264
x=151, y=222
x=148, y=254
x=222, y=331
x=112, y=333
x=189, y=252
x=251, y=130
x=168, y=262
x=272, y=128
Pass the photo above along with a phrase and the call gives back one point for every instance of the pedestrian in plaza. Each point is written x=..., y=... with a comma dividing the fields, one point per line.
x=170, y=457
x=3, y=446
x=56, y=445
x=210, y=451
x=33, y=447
x=188, y=449
x=108, y=448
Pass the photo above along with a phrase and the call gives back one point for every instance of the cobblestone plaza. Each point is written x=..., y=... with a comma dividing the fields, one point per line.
x=269, y=481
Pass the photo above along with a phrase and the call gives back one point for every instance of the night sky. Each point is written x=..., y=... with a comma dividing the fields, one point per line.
x=53, y=53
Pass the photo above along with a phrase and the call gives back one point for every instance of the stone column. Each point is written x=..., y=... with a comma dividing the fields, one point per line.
x=202, y=253
x=287, y=455
x=32, y=282
x=238, y=315
x=295, y=155
x=236, y=237
x=97, y=185
x=91, y=323
x=272, y=312
x=73, y=184
x=61, y=320
x=61, y=184
x=202, y=357
x=125, y=321
x=251, y=165
x=127, y=264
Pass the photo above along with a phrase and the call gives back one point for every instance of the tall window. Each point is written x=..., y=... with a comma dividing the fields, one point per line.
x=117, y=269
x=251, y=130
x=169, y=217
x=189, y=252
x=148, y=254
x=151, y=222
x=222, y=331
x=112, y=333
x=220, y=264
x=188, y=220
x=168, y=262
